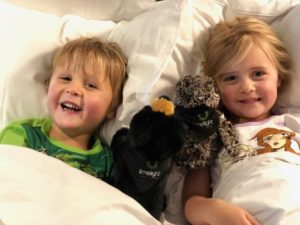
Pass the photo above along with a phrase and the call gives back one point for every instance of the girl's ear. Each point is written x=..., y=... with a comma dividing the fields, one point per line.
x=279, y=81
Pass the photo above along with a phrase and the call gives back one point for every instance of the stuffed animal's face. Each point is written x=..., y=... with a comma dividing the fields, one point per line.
x=195, y=91
x=154, y=136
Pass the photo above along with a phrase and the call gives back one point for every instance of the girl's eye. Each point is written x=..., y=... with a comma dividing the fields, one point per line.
x=229, y=78
x=258, y=74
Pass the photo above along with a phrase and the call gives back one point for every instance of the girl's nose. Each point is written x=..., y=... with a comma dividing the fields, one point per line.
x=247, y=86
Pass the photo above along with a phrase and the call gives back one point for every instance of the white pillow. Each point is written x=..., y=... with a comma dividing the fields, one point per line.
x=196, y=18
x=27, y=41
x=267, y=10
x=115, y=10
x=288, y=29
x=148, y=41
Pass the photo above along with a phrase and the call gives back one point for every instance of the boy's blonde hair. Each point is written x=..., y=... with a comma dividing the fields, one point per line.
x=230, y=42
x=96, y=56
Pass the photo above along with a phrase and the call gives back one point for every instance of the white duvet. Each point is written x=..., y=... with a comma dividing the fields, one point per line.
x=267, y=186
x=36, y=189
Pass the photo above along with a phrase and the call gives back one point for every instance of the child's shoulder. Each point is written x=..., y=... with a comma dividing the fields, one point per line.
x=34, y=122
x=19, y=125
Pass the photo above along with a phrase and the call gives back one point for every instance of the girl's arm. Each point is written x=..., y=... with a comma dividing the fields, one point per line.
x=195, y=195
x=201, y=209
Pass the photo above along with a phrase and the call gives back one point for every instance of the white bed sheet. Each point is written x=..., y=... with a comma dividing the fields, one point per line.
x=40, y=190
x=267, y=186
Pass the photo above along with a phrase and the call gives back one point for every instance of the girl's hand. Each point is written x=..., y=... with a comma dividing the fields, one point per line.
x=208, y=211
x=230, y=214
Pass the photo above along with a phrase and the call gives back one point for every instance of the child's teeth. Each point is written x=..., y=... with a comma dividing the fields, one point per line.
x=69, y=106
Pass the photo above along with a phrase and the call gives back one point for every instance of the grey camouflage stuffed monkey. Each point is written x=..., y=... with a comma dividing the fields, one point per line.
x=206, y=128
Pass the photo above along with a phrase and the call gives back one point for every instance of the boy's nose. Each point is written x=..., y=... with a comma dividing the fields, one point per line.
x=74, y=90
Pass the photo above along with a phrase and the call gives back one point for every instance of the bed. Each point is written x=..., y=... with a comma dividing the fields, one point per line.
x=163, y=40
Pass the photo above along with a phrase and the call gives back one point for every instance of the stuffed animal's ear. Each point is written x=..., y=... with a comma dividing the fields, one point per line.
x=185, y=91
x=196, y=90
x=163, y=104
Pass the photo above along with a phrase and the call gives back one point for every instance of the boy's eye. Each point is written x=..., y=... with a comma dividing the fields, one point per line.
x=65, y=77
x=91, y=85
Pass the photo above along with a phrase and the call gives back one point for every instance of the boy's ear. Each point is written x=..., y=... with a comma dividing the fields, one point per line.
x=111, y=114
x=46, y=83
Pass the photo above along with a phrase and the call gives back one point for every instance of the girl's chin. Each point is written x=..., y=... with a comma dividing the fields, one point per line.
x=253, y=118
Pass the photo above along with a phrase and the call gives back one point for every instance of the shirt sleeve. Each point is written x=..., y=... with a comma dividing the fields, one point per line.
x=13, y=134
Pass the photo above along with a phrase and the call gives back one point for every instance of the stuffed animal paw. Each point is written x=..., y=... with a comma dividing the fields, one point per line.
x=143, y=154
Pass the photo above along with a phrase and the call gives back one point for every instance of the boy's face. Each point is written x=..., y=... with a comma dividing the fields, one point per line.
x=78, y=102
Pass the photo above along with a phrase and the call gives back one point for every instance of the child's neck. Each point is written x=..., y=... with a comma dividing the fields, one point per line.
x=239, y=120
x=78, y=141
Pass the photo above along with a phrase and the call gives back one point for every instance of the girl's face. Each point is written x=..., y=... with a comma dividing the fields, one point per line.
x=249, y=88
x=78, y=102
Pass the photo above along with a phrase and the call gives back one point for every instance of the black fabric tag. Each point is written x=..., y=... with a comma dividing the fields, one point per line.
x=146, y=173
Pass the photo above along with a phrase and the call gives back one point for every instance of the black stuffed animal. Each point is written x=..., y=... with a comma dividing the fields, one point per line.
x=197, y=101
x=143, y=154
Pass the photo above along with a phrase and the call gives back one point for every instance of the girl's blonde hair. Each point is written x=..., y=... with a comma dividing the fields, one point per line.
x=96, y=56
x=230, y=42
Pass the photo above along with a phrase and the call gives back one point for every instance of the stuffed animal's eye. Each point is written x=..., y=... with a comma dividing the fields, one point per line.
x=202, y=115
x=152, y=164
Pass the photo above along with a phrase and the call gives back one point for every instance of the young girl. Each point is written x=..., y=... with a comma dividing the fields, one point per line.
x=84, y=89
x=251, y=67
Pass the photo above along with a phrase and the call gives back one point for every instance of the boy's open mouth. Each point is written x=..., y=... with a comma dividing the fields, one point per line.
x=70, y=107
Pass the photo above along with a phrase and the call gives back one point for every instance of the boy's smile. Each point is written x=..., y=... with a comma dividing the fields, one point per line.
x=68, y=106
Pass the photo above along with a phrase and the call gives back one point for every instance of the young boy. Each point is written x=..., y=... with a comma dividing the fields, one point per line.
x=85, y=88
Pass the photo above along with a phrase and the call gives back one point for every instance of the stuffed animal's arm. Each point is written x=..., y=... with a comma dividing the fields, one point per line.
x=228, y=136
x=118, y=143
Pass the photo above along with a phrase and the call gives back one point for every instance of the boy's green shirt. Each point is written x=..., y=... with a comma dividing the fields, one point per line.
x=34, y=133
